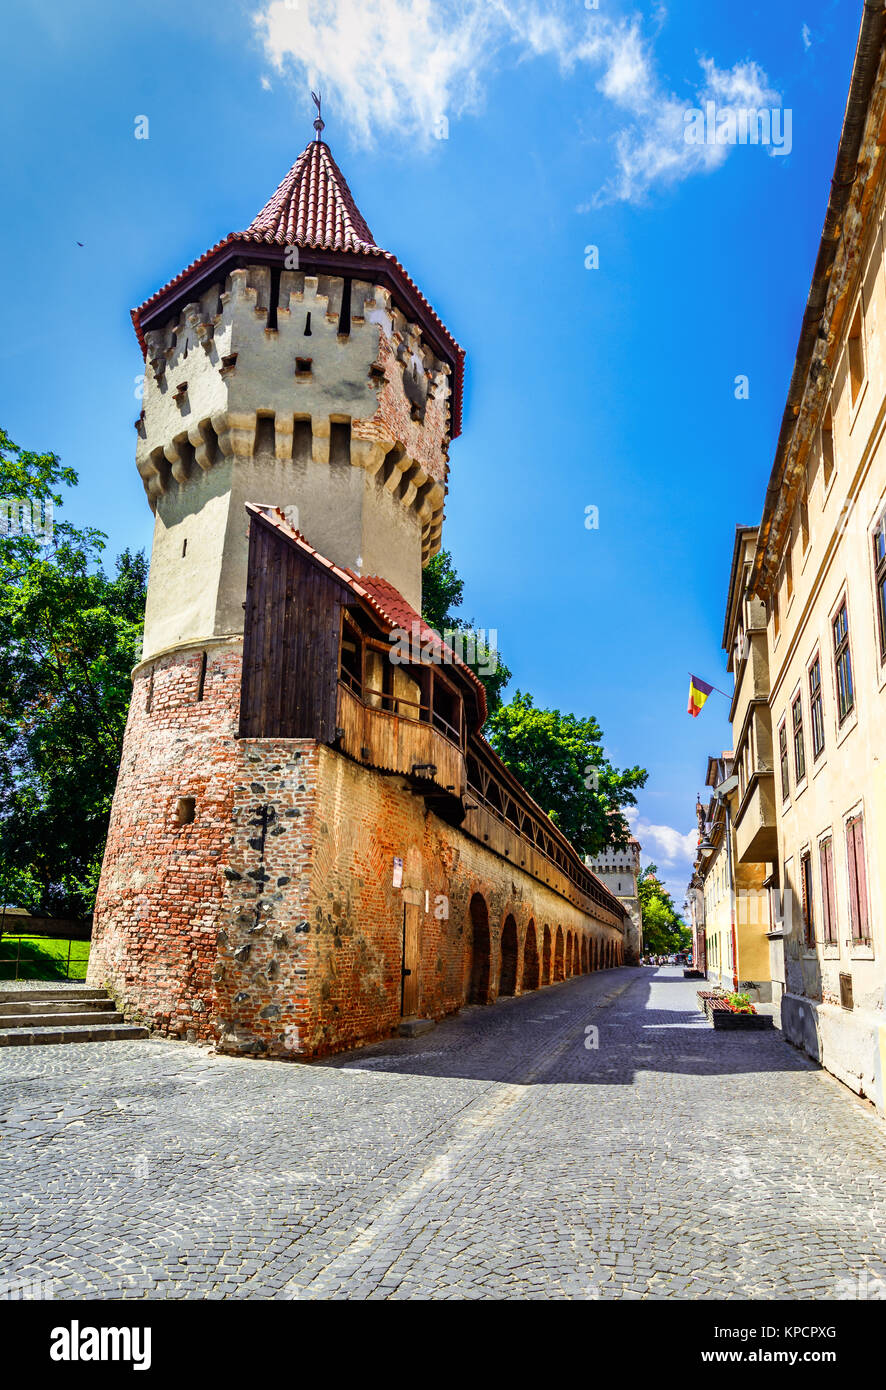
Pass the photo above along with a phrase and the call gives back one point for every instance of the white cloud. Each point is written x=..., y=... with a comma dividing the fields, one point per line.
x=669, y=848
x=653, y=149
x=806, y=36
x=266, y=84
x=743, y=85
x=394, y=67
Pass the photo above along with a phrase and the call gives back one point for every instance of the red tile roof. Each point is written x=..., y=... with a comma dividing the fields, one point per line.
x=314, y=208
x=379, y=594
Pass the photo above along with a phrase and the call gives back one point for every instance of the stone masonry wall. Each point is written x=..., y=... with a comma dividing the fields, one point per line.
x=271, y=922
x=311, y=952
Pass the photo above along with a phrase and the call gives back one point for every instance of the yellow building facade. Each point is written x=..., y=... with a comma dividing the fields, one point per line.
x=806, y=631
x=729, y=907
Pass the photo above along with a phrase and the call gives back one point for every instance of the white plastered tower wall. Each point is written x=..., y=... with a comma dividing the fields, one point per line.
x=350, y=427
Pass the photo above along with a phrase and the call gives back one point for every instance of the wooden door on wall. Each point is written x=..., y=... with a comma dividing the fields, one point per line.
x=411, y=959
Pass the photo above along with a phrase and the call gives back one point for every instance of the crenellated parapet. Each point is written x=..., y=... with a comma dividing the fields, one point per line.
x=284, y=355
x=297, y=365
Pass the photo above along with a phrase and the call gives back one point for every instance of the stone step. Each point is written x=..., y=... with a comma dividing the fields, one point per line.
x=114, y=1032
x=24, y=1005
x=415, y=1027
x=58, y=1018
x=64, y=992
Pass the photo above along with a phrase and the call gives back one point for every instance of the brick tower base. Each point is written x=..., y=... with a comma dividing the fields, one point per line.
x=249, y=894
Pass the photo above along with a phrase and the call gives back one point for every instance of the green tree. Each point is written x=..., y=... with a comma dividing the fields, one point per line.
x=664, y=930
x=441, y=592
x=69, y=635
x=559, y=759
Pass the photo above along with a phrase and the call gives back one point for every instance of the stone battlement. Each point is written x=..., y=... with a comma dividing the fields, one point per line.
x=266, y=388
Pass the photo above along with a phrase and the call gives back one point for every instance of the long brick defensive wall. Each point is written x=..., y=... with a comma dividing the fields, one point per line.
x=264, y=893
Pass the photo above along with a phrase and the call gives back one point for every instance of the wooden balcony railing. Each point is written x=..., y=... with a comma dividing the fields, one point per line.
x=391, y=737
x=400, y=705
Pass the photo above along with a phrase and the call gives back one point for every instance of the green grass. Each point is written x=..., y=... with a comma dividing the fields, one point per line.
x=42, y=958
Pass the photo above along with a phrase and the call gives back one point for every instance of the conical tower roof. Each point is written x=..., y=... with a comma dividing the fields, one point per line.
x=312, y=208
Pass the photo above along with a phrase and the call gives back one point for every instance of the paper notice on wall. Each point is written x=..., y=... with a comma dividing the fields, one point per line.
x=398, y=873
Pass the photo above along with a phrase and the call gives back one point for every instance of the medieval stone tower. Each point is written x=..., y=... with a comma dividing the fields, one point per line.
x=295, y=364
x=285, y=820
x=619, y=870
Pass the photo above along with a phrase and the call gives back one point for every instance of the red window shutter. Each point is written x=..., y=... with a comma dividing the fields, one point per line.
x=803, y=893
x=861, y=878
x=806, y=891
x=827, y=890
x=858, y=899
x=853, y=877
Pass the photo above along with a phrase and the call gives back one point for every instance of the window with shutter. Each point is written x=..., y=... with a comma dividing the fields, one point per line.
x=783, y=759
x=843, y=663
x=799, y=746
x=806, y=884
x=816, y=708
x=827, y=448
x=828, y=902
x=804, y=517
x=879, y=541
x=858, y=896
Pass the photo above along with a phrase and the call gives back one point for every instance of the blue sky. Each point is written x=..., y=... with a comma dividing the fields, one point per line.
x=611, y=387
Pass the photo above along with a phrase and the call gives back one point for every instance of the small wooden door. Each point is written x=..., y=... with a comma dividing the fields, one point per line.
x=411, y=955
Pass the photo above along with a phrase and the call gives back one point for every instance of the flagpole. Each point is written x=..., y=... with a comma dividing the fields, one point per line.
x=713, y=687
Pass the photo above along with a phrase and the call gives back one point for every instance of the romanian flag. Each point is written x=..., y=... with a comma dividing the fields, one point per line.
x=699, y=691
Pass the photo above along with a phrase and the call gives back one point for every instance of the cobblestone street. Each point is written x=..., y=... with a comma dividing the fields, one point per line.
x=499, y=1156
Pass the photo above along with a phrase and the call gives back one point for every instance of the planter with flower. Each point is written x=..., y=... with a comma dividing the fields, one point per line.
x=734, y=1011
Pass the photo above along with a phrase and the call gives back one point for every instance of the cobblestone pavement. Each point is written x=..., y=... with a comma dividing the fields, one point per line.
x=499, y=1156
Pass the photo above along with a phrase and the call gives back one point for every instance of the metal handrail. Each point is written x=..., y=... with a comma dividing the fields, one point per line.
x=16, y=960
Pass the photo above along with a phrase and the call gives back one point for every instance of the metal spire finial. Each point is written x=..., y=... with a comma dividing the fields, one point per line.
x=319, y=124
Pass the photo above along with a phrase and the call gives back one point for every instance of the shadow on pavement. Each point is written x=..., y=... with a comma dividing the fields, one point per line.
x=547, y=1037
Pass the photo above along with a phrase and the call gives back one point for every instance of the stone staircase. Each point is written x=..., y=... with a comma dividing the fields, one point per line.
x=67, y=1014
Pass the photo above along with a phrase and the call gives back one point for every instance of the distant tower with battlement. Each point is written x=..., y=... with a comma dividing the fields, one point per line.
x=618, y=870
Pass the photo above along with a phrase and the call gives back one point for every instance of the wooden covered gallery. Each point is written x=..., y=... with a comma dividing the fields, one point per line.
x=411, y=871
